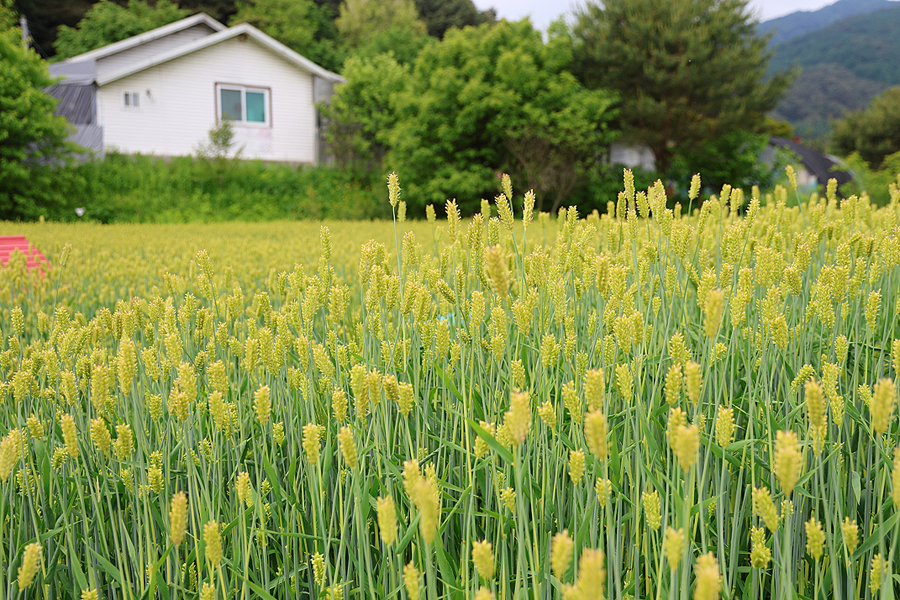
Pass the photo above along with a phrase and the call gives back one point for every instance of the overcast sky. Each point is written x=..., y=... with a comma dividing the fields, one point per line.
x=542, y=12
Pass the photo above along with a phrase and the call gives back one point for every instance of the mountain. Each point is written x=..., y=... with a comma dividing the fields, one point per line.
x=803, y=22
x=843, y=66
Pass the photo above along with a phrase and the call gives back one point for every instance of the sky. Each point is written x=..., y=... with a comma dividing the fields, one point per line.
x=543, y=12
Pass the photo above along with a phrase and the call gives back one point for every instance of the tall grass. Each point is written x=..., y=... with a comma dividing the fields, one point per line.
x=646, y=405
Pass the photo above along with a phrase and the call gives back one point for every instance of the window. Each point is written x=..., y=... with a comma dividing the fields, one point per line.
x=246, y=105
x=131, y=99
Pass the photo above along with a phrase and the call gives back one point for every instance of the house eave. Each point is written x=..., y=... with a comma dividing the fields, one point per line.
x=216, y=38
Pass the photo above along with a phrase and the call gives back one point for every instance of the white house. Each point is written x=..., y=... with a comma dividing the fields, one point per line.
x=162, y=91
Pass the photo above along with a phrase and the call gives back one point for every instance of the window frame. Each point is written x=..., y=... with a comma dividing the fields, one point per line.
x=243, y=89
x=128, y=98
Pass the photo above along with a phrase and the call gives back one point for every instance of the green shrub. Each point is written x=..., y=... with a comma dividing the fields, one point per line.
x=144, y=189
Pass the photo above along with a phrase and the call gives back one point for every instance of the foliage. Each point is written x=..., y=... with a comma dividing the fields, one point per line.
x=733, y=159
x=441, y=15
x=107, y=22
x=370, y=27
x=220, y=142
x=32, y=139
x=688, y=72
x=654, y=405
x=493, y=98
x=821, y=93
x=301, y=25
x=874, y=133
x=875, y=183
x=144, y=189
x=363, y=111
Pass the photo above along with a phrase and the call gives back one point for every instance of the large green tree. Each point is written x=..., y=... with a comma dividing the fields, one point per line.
x=30, y=136
x=874, y=133
x=688, y=72
x=107, y=22
x=363, y=111
x=441, y=15
x=370, y=27
x=302, y=25
x=497, y=98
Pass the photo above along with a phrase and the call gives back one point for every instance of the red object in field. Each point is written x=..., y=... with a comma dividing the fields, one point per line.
x=8, y=243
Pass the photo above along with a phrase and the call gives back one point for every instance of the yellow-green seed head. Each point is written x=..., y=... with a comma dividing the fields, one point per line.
x=576, y=466
x=262, y=404
x=387, y=520
x=652, y=509
x=31, y=565
x=496, y=269
x=311, y=442
x=815, y=404
x=596, y=430
x=787, y=460
x=708, y=582
x=244, y=489
x=694, y=190
x=70, y=435
x=851, y=535
x=518, y=418
x=725, y=427
x=594, y=388
x=411, y=580
x=562, y=548
x=673, y=384
x=213, y=540
x=876, y=573
x=760, y=555
x=547, y=414
x=100, y=435
x=714, y=307
x=673, y=546
x=347, y=446
x=124, y=441
x=882, y=408
x=483, y=559
x=178, y=517
x=686, y=445
x=692, y=381
x=393, y=183
x=318, y=563
x=815, y=538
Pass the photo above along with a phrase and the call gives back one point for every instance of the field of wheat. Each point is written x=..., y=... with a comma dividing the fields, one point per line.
x=650, y=403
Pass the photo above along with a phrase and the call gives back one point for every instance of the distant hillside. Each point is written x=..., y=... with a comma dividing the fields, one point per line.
x=843, y=67
x=803, y=22
x=824, y=92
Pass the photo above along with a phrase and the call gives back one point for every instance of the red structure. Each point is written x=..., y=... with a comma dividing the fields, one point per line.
x=8, y=243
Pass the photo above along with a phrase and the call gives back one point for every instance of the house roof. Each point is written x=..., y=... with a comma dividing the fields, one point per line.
x=226, y=34
x=823, y=166
x=149, y=36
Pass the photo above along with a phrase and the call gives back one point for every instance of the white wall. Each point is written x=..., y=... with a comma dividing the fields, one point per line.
x=126, y=58
x=178, y=104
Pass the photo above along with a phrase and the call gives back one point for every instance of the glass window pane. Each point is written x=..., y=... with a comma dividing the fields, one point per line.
x=135, y=98
x=127, y=98
x=231, y=105
x=256, y=107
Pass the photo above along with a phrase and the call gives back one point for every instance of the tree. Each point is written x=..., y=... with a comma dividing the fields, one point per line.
x=496, y=98
x=30, y=136
x=687, y=71
x=364, y=110
x=107, y=22
x=441, y=15
x=371, y=27
x=874, y=133
x=301, y=25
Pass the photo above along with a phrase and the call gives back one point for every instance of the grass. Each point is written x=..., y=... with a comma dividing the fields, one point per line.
x=353, y=418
